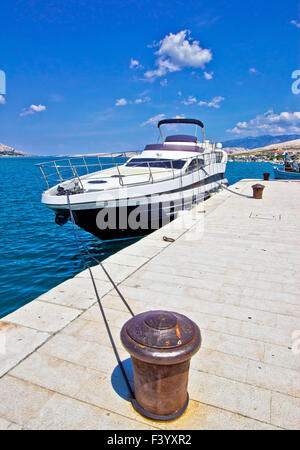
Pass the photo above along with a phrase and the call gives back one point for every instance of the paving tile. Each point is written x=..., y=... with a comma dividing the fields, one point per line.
x=113, y=301
x=141, y=248
x=20, y=400
x=93, y=330
x=127, y=260
x=275, y=378
x=200, y=416
x=288, y=323
x=85, y=353
x=18, y=342
x=168, y=292
x=281, y=356
x=117, y=272
x=230, y=395
x=52, y=373
x=221, y=364
x=43, y=316
x=271, y=295
x=114, y=317
x=285, y=411
x=266, y=334
x=233, y=345
x=114, y=397
x=64, y=413
x=76, y=293
x=267, y=305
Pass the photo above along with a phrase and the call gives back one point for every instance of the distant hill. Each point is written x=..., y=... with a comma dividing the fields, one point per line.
x=10, y=151
x=287, y=145
x=260, y=141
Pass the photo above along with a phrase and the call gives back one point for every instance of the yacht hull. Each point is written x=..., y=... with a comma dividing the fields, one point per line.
x=140, y=195
x=116, y=221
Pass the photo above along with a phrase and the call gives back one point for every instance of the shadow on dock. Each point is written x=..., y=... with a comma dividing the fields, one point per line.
x=118, y=382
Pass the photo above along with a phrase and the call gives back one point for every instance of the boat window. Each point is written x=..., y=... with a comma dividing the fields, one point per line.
x=195, y=164
x=154, y=162
x=219, y=156
x=214, y=157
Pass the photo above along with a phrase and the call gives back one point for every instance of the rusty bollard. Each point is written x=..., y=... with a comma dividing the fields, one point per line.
x=266, y=176
x=258, y=191
x=161, y=344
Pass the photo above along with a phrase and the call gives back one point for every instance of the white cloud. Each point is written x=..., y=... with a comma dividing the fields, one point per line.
x=164, y=82
x=208, y=75
x=38, y=108
x=252, y=70
x=269, y=123
x=142, y=100
x=2, y=100
x=179, y=93
x=294, y=22
x=33, y=109
x=121, y=102
x=153, y=120
x=190, y=100
x=176, y=51
x=135, y=64
x=214, y=103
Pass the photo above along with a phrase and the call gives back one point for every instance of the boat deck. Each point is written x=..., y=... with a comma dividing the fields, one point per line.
x=234, y=269
x=130, y=175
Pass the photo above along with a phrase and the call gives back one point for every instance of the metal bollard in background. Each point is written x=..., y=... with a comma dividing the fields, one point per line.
x=258, y=190
x=161, y=344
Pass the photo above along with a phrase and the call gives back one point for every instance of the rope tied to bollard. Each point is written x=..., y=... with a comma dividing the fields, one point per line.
x=222, y=186
x=77, y=239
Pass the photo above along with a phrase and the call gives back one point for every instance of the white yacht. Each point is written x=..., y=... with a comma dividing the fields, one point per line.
x=137, y=192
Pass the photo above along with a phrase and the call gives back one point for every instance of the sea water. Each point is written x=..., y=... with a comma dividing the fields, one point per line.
x=35, y=253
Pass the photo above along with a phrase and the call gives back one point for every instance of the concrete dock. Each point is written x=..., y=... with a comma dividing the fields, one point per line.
x=234, y=268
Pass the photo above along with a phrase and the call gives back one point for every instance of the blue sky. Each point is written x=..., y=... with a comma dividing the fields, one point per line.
x=93, y=76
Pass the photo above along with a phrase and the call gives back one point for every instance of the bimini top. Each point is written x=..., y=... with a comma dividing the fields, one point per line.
x=174, y=147
x=189, y=121
x=181, y=138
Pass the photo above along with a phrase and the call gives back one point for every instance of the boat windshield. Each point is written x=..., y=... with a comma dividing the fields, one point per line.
x=154, y=162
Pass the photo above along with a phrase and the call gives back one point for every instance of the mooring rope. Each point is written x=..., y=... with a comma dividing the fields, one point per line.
x=99, y=262
x=222, y=186
x=77, y=239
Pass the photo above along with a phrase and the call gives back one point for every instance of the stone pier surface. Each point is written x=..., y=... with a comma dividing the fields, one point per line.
x=234, y=268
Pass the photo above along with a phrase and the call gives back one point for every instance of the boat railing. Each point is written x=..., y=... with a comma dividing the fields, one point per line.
x=77, y=168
